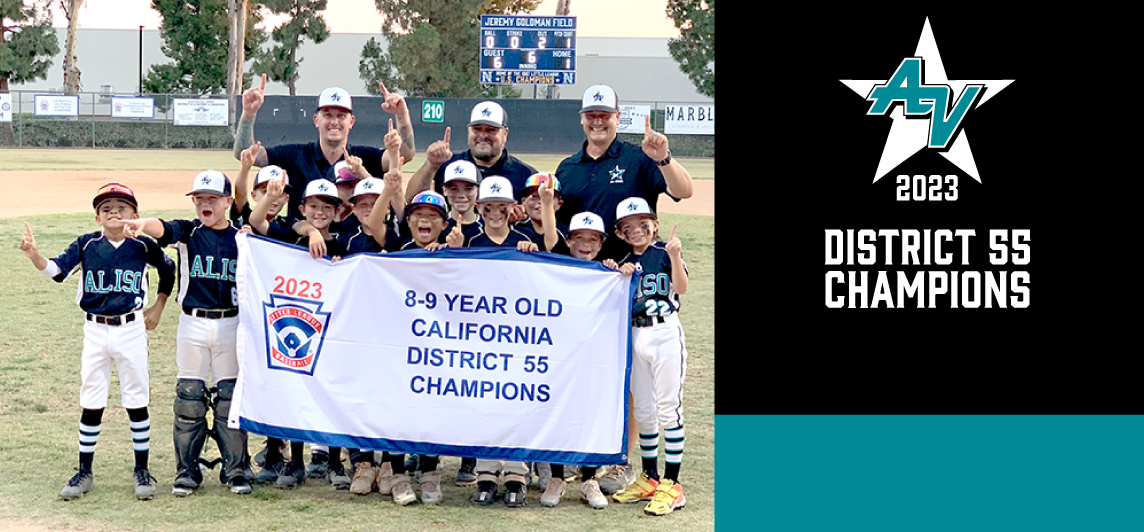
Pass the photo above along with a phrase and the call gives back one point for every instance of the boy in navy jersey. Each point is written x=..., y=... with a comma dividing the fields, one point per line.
x=535, y=225
x=112, y=293
x=495, y=202
x=659, y=355
x=206, y=346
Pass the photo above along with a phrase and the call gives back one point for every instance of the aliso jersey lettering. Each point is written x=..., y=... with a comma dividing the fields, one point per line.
x=208, y=261
x=114, y=277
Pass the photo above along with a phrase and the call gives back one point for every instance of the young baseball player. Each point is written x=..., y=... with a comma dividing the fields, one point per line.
x=534, y=227
x=462, y=183
x=206, y=345
x=659, y=355
x=244, y=194
x=494, y=202
x=319, y=206
x=112, y=292
x=426, y=215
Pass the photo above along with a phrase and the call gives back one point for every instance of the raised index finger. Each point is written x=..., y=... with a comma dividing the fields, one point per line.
x=647, y=125
x=673, y=228
x=263, y=87
x=383, y=89
x=391, y=125
x=28, y=227
x=448, y=130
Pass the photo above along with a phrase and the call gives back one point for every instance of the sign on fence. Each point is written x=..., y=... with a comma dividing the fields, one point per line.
x=632, y=118
x=478, y=352
x=5, y=107
x=432, y=111
x=124, y=107
x=56, y=105
x=201, y=112
x=690, y=119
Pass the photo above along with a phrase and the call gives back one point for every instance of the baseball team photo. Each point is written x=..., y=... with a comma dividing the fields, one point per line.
x=346, y=299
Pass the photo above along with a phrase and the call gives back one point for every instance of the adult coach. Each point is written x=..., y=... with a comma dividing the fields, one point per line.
x=334, y=119
x=607, y=169
x=488, y=133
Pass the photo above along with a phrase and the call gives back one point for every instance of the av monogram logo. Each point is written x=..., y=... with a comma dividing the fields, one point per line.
x=928, y=108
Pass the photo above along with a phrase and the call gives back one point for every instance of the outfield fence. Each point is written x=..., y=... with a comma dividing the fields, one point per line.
x=181, y=121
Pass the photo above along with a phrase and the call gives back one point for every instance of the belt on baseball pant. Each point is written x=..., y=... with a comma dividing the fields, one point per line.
x=114, y=321
x=648, y=321
x=212, y=314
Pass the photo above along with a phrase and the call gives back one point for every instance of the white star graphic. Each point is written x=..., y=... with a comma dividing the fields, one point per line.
x=908, y=137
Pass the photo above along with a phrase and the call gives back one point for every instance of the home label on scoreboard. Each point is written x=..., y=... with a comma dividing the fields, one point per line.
x=523, y=49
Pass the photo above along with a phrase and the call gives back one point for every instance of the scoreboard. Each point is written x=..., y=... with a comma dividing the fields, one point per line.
x=523, y=49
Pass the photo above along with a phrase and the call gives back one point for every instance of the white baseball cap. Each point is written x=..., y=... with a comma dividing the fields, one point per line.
x=488, y=113
x=211, y=182
x=631, y=207
x=270, y=173
x=369, y=185
x=335, y=97
x=322, y=188
x=462, y=170
x=343, y=173
x=587, y=221
x=600, y=98
x=495, y=188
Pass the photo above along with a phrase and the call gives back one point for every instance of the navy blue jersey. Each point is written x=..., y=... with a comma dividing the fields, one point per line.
x=240, y=218
x=114, y=278
x=482, y=239
x=598, y=185
x=285, y=233
x=305, y=162
x=514, y=169
x=356, y=241
x=469, y=230
x=655, y=296
x=208, y=261
x=525, y=226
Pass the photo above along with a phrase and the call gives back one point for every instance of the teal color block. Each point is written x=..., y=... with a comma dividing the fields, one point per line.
x=931, y=473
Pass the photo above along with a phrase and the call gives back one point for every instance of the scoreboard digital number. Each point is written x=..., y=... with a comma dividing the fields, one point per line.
x=522, y=49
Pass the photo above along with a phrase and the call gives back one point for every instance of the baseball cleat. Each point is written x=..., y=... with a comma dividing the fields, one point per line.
x=431, y=488
x=403, y=491
x=385, y=477
x=552, y=494
x=294, y=474
x=590, y=493
x=184, y=485
x=269, y=473
x=617, y=477
x=516, y=494
x=643, y=489
x=466, y=476
x=239, y=485
x=144, y=485
x=336, y=475
x=668, y=498
x=486, y=492
x=319, y=464
x=365, y=479
x=82, y=482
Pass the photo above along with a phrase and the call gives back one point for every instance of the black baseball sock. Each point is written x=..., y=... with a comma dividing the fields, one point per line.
x=90, y=422
x=140, y=435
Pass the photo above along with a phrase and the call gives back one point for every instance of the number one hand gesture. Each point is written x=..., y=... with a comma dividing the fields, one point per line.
x=439, y=152
x=28, y=242
x=654, y=142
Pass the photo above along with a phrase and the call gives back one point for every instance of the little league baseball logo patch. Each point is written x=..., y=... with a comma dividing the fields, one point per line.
x=295, y=330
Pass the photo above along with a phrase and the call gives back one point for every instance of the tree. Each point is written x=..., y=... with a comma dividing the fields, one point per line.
x=237, y=13
x=432, y=46
x=196, y=35
x=71, y=71
x=694, y=50
x=27, y=45
x=281, y=62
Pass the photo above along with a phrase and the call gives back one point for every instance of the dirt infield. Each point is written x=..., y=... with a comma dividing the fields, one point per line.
x=59, y=192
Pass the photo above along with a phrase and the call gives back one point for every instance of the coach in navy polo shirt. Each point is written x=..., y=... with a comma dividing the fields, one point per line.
x=608, y=170
x=333, y=119
x=487, y=134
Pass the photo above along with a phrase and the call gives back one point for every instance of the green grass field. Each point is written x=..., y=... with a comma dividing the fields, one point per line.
x=101, y=159
x=40, y=342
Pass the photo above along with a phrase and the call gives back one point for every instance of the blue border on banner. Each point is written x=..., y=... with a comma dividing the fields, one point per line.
x=492, y=453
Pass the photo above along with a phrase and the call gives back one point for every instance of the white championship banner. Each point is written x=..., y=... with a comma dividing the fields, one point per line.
x=477, y=352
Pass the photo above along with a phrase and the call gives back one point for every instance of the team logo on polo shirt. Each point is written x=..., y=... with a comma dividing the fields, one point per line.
x=616, y=174
x=295, y=330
